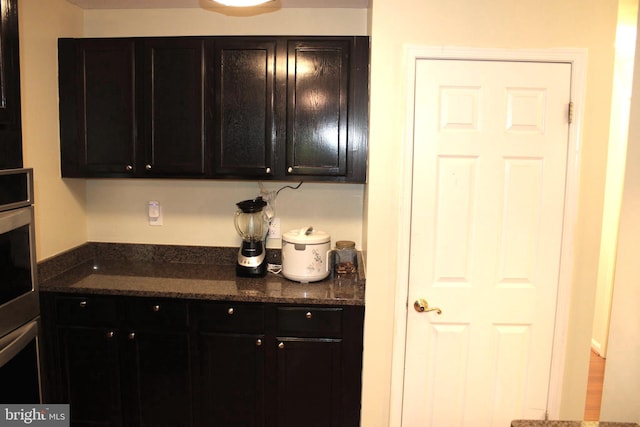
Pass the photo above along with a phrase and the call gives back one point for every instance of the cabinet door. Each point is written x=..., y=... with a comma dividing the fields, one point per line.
x=10, y=121
x=97, y=107
x=91, y=375
x=174, y=90
x=231, y=380
x=309, y=382
x=244, y=129
x=9, y=69
x=231, y=363
x=318, y=93
x=160, y=392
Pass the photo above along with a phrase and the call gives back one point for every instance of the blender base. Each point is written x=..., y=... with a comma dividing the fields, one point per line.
x=252, y=260
x=258, y=271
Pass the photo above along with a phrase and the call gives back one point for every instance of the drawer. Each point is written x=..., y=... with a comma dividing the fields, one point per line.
x=86, y=310
x=149, y=312
x=309, y=321
x=230, y=317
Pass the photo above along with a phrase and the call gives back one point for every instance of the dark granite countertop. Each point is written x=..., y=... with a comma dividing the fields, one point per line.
x=540, y=423
x=200, y=281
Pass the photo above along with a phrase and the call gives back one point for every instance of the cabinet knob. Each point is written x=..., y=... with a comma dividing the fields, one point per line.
x=258, y=342
x=230, y=311
x=308, y=315
x=290, y=169
x=110, y=334
x=156, y=308
x=281, y=345
x=128, y=168
x=83, y=304
x=132, y=335
x=147, y=167
x=268, y=170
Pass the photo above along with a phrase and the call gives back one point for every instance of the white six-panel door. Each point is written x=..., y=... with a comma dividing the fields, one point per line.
x=489, y=172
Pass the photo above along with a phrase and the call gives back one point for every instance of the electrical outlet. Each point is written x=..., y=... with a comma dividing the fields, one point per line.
x=274, y=229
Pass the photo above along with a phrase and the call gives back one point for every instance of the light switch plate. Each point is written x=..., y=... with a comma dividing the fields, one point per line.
x=155, y=213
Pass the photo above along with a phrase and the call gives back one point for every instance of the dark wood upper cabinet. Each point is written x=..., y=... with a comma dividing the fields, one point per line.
x=97, y=107
x=173, y=103
x=244, y=128
x=318, y=92
x=327, y=107
x=282, y=108
x=10, y=116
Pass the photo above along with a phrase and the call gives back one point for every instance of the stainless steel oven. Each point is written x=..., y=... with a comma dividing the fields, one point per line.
x=19, y=299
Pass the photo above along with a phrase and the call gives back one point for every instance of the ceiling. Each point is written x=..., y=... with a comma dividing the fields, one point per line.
x=163, y=4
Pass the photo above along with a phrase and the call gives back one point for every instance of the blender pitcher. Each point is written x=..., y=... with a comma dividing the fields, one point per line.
x=251, y=225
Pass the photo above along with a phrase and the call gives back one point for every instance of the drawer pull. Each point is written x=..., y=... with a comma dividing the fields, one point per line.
x=308, y=315
x=110, y=334
x=258, y=342
x=132, y=335
x=281, y=345
x=156, y=308
x=83, y=304
x=230, y=311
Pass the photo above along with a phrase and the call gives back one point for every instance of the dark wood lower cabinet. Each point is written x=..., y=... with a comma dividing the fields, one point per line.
x=231, y=380
x=90, y=375
x=309, y=383
x=318, y=365
x=159, y=364
x=126, y=361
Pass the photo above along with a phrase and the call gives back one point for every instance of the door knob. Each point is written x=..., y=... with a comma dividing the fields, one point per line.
x=422, y=306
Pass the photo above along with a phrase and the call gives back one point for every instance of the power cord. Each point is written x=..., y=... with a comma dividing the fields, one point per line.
x=274, y=268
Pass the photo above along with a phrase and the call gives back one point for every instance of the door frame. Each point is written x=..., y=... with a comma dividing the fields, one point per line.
x=578, y=60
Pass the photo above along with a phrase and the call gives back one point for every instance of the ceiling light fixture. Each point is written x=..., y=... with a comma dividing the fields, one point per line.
x=242, y=3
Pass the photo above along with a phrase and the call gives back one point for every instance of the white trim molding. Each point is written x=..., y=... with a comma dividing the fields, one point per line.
x=578, y=60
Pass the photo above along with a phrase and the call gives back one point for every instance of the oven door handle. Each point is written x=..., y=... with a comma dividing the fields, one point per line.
x=15, y=341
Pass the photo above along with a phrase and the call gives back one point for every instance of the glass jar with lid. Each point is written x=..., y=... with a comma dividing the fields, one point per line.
x=345, y=257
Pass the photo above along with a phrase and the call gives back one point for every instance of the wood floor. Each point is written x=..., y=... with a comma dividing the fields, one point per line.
x=594, y=387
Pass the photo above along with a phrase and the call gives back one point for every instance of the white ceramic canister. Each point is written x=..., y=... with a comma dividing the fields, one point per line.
x=305, y=254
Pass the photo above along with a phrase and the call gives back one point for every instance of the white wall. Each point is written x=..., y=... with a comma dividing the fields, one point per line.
x=184, y=22
x=201, y=212
x=59, y=205
x=622, y=373
x=616, y=157
x=586, y=24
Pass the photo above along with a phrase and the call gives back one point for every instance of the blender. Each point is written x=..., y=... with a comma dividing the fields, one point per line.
x=251, y=225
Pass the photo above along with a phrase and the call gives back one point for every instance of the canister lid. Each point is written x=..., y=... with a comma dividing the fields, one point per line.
x=306, y=236
x=345, y=244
